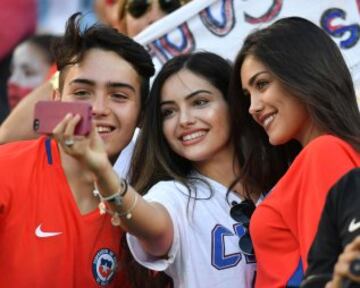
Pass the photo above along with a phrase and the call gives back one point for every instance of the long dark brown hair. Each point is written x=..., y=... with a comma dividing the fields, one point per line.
x=310, y=66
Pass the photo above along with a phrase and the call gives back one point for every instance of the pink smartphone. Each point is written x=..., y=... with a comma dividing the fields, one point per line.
x=48, y=114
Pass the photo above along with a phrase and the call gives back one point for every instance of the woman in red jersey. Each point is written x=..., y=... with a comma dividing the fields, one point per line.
x=294, y=94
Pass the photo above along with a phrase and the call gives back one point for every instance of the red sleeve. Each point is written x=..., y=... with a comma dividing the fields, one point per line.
x=322, y=163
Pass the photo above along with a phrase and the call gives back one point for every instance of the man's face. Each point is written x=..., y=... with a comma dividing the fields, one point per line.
x=112, y=86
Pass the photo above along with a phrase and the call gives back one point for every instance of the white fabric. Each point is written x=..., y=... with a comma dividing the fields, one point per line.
x=123, y=162
x=192, y=257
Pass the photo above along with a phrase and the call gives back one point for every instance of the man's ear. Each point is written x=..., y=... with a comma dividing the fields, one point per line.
x=56, y=95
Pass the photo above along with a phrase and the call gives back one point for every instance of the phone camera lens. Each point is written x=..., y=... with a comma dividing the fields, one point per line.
x=36, y=125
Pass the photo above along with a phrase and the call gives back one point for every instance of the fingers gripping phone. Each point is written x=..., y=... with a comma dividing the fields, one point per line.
x=48, y=114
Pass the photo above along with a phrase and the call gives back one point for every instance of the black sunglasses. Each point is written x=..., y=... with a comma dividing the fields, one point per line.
x=138, y=8
x=241, y=213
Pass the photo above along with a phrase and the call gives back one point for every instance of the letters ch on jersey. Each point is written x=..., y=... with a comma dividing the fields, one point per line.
x=219, y=258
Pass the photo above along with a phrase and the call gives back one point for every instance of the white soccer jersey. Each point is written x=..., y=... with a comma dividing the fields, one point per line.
x=205, y=251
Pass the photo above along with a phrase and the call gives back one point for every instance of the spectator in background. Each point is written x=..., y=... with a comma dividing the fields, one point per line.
x=139, y=14
x=30, y=66
x=19, y=19
x=133, y=16
x=109, y=12
x=338, y=228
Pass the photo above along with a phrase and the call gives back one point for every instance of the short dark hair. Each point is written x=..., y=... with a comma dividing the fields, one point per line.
x=72, y=47
x=310, y=66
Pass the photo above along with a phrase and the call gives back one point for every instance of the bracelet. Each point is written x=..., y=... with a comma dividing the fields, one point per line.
x=115, y=219
x=117, y=197
x=127, y=213
x=117, y=200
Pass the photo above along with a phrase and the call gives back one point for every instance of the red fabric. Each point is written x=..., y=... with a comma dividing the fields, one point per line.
x=283, y=226
x=18, y=19
x=34, y=193
x=52, y=71
x=16, y=94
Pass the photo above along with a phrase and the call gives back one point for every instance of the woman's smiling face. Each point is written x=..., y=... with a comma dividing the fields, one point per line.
x=273, y=107
x=196, y=121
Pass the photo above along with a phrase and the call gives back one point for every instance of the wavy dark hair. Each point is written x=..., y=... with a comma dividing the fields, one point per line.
x=72, y=47
x=154, y=160
x=310, y=66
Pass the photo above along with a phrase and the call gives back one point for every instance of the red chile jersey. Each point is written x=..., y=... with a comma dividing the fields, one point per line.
x=44, y=240
x=284, y=225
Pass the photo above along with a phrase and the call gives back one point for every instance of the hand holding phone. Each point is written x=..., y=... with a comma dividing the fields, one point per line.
x=48, y=114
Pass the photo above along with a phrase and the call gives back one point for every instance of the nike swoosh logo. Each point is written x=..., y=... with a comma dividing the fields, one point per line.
x=41, y=234
x=354, y=226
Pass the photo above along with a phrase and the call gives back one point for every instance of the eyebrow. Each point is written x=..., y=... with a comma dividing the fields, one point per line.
x=82, y=81
x=108, y=85
x=189, y=96
x=120, y=85
x=253, y=78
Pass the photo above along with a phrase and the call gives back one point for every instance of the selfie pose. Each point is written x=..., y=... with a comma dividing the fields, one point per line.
x=51, y=231
x=293, y=90
x=189, y=224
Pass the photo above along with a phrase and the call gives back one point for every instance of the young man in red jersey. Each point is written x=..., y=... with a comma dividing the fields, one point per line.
x=51, y=232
